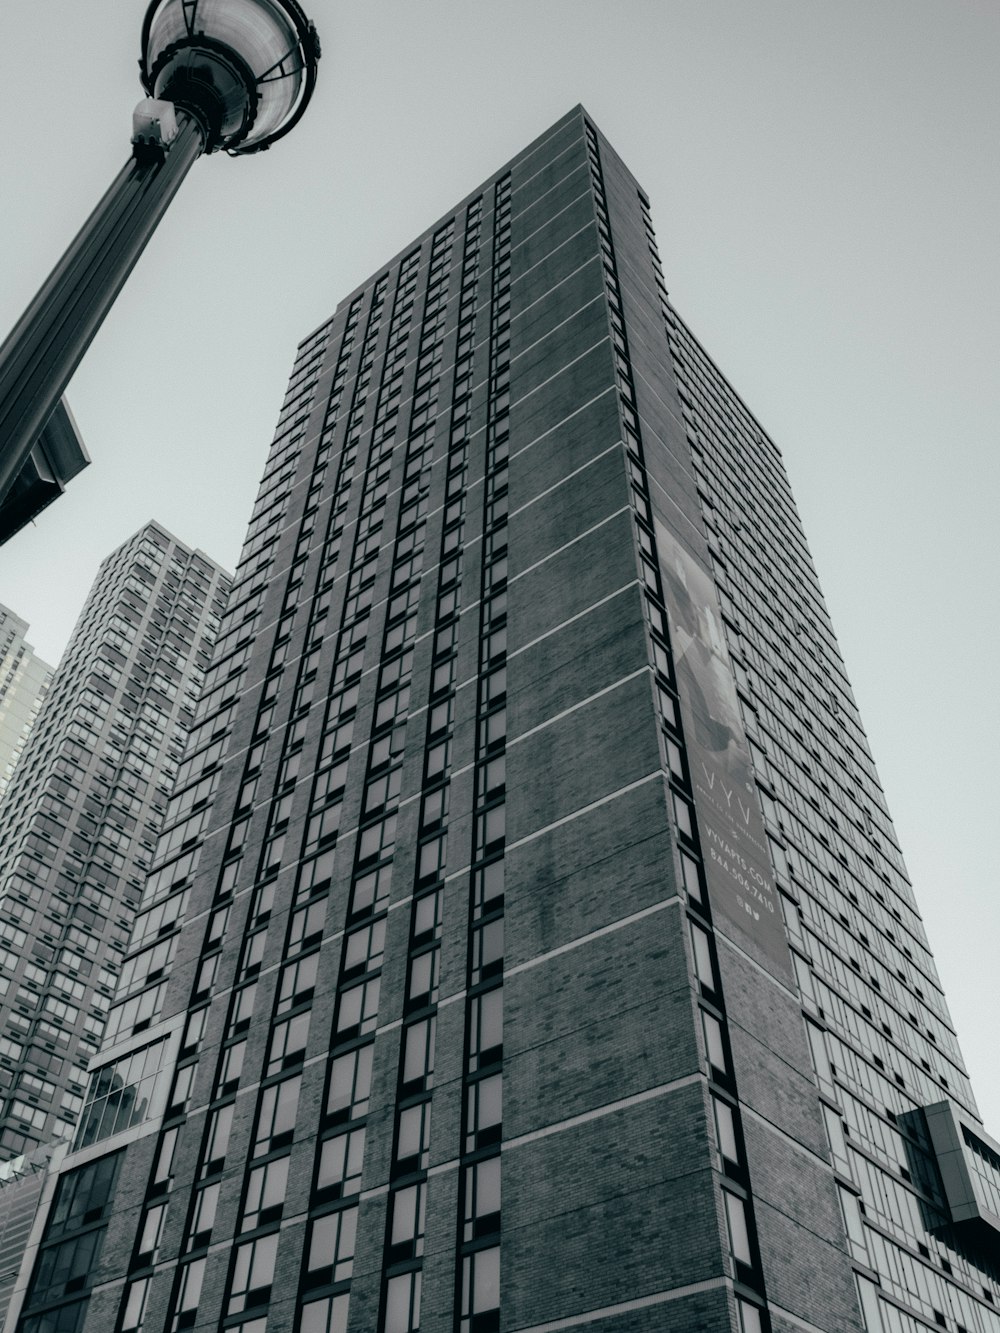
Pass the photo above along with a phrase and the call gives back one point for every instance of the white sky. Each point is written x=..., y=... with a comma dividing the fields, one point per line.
x=824, y=181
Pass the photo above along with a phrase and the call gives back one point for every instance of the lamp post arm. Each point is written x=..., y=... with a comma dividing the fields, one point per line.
x=38, y=358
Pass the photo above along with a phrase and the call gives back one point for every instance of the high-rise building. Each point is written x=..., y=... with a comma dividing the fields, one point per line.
x=81, y=816
x=542, y=953
x=24, y=683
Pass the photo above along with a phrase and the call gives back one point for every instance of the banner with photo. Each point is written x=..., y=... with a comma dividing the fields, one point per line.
x=738, y=871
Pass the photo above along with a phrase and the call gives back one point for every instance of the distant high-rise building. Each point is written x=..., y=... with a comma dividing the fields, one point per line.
x=81, y=816
x=24, y=683
x=540, y=952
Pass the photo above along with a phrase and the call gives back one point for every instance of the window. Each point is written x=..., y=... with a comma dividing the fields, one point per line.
x=364, y=948
x=752, y=1321
x=253, y=955
x=482, y=1199
x=298, y=981
x=331, y=1247
x=265, y=1198
x=426, y=921
x=371, y=891
x=230, y=1068
x=484, y=1101
x=413, y=1139
x=485, y=1029
x=326, y=1316
x=739, y=1233
x=253, y=1272
x=423, y=984
x=402, y=1303
x=378, y=841
x=134, y=1306
x=163, y=1170
x=357, y=1012
x=714, y=1045
x=276, y=1116
x=488, y=888
x=406, y=1239
x=702, y=948
x=243, y=1003
x=307, y=925
x=418, y=1057
x=340, y=1162
x=288, y=1044
x=203, y=1216
x=124, y=1093
x=217, y=1139
x=726, y=1135
x=188, y=1295
x=350, y=1084
x=150, y=1235
x=480, y=1311
x=487, y=951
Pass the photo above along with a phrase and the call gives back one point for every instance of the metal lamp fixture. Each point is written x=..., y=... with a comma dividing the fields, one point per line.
x=232, y=75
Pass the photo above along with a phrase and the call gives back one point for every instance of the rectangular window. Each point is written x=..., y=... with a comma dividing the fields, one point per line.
x=340, y=1164
x=188, y=1295
x=134, y=1306
x=217, y=1140
x=203, y=1216
x=288, y=1044
x=739, y=1232
x=265, y=1198
x=330, y=1257
x=298, y=982
x=422, y=988
x=253, y=1273
x=702, y=949
x=484, y=1102
x=406, y=1239
x=371, y=892
x=276, y=1116
x=480, y=1311
x=350, y=1084
x=485, y=1029
x=357, y=1012
x=150, y=1235
x=413, y=1139
x=487, y=951
x=230, y=1068
x=325, y=1316
x=418, y=1057
x=364, y=948
x=402, y=1303
x=482, y=1199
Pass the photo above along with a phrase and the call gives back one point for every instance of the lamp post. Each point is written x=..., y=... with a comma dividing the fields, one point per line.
x=232, y=75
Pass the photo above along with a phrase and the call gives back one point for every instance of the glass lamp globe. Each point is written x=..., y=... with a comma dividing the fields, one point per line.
x=244, y=68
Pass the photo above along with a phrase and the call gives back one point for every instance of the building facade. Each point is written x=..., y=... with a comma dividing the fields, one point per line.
x=542, y=956
x=81, y=817
x=24, y=683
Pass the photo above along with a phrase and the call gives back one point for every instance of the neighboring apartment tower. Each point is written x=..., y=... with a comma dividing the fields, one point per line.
x=81, y=817
x=546, y=960
x=24, y=683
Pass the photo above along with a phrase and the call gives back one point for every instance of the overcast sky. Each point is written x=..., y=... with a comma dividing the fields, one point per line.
x=824, y=181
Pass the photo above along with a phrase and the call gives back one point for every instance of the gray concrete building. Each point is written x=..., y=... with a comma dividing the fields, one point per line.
x=24, y=683
x=541, y=955
x=81, y=816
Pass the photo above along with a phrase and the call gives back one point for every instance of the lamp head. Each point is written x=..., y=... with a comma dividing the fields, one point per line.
x=245, y=69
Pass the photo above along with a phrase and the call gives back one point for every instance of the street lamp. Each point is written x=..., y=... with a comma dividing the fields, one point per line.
x=231, y=75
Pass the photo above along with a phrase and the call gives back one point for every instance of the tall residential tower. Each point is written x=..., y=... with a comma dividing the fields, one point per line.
x=24, y=683
x=81, y=816
x=542, y=953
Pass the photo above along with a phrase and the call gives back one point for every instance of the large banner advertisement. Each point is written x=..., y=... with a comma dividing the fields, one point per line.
x=734, y=845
